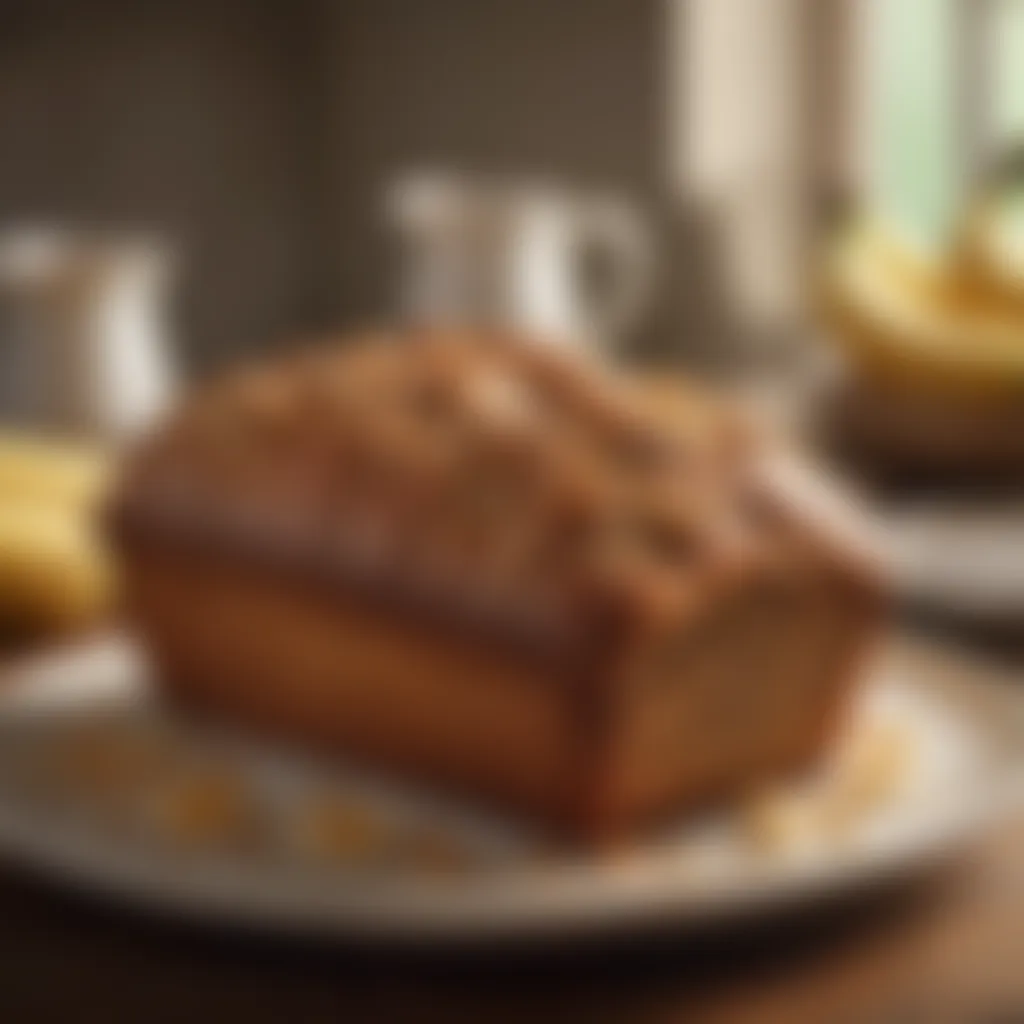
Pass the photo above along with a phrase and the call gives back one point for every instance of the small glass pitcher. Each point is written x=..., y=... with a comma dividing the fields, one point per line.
x=83, y=345
x=553, y=263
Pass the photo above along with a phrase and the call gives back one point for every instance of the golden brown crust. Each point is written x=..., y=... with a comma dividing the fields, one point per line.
x=504, y=511
x=502, y=470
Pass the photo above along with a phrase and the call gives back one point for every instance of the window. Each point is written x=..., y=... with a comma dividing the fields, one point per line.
x=943, y=83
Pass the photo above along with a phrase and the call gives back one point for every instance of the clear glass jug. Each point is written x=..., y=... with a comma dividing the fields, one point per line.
x=83, y=345
x=556, y=264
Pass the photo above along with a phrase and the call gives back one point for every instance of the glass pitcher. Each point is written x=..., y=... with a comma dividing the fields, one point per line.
x=83, y=345
x=550, y=262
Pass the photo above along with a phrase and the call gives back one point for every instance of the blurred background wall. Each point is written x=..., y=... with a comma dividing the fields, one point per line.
x=258, y=136
x=197, y=120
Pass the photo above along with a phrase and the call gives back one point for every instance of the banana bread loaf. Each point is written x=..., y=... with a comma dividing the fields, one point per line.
x=496, y=568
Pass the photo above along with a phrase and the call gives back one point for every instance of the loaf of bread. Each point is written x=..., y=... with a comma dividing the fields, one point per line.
x=498, y=569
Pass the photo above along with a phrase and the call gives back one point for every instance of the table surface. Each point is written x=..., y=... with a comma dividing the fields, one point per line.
x=946, y=947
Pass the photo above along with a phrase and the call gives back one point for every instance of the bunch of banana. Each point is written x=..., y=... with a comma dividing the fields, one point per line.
x=928, y=326
x=54, y=572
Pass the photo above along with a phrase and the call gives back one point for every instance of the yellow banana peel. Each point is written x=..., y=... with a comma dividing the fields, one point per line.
x=62, y=473
x=989, y=251
x=55, y=574
x=919, y=323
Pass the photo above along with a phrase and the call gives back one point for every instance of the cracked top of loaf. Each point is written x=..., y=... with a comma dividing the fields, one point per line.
x=522, y=485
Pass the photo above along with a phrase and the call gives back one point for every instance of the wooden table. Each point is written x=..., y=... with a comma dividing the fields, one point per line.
x=952, y=945
x=948, y=947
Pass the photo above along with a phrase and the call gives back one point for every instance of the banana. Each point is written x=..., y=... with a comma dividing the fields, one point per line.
x=915, y=323
x=989, y=251
x=54, y=572
x=64, y=474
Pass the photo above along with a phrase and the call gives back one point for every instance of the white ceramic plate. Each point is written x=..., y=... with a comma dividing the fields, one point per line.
x=962, y=765
x=960, y=559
